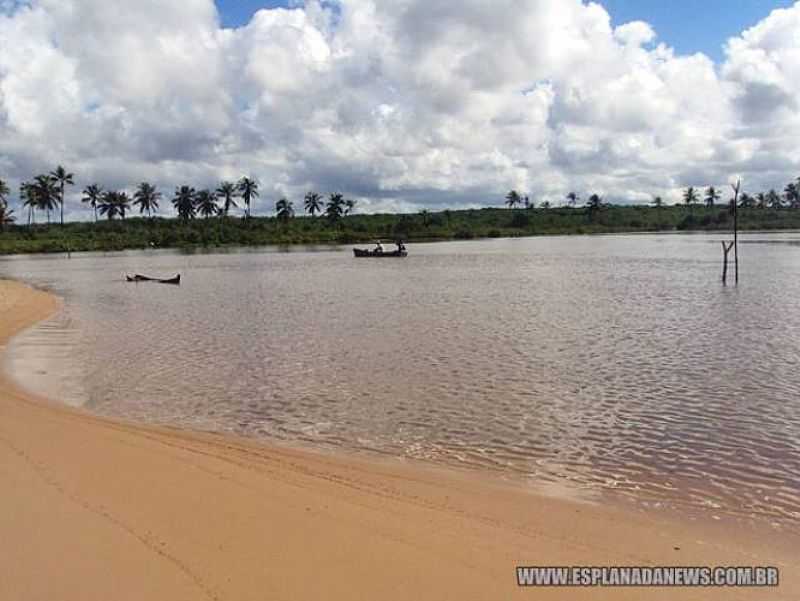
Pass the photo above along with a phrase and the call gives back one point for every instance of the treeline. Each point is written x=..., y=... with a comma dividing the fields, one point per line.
x=711, y=196
x=220, y=231
x=44, y=194
x=205, y=217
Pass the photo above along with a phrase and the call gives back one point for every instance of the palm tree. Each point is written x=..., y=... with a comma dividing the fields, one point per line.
x=206, y=203
x=712, y=195
x=28, y=198
x=248, y=188
x=4, y=191
x=595, y=202
x=46, y=193
x=226, y=192
x=762, y=200
x=123, y=202
x=593, y=206
x=313, y=203
x=513, y=199
x=92, y=194
x=746, y=201
x=572, y=199
x=146, y=198
x=426, y=217
x=349, y=205
x=184, y=202
x=6, y=215
x=690, y=197
x=61, y=176
x=774, y=199
x=658, y=202
x=792, y=194
x=109, y=205
x=284, y=210
x=334, y=208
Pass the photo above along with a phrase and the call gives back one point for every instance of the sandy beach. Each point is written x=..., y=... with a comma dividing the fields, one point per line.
x=96, y=509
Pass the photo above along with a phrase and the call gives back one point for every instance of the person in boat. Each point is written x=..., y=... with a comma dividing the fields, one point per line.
x=400, y=246
x=379, y=247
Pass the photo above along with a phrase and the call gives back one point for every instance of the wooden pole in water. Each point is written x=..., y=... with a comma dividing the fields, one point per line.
x=736, y=229
x=726, y=248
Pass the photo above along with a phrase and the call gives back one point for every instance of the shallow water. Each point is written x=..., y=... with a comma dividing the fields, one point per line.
x=607, y=363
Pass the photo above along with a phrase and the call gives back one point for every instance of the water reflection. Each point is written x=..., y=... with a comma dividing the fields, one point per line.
x=607, y=363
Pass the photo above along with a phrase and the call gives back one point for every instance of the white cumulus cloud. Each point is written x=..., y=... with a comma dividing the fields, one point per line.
x=400, y=104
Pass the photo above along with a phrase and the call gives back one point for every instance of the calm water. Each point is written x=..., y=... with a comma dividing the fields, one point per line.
x=597, y=363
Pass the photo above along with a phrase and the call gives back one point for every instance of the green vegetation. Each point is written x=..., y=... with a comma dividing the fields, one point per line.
x=204, y=218
x=335, y=227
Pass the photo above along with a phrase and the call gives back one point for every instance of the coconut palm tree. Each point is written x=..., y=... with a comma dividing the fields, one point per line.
x=746, y=201
x=334, y=208
x=595, y=202
x=28, y=199
x=110, y=205
x=206, y=203
x=774, y=199
x=313, y=203
x=593, y=206
x=62, y=178
x=349, y=205
x=426, y=217
x=227, y=192
x=248, y=188
x=792, y=194
x=4, y=191
x=184, y=202
x=146, y=198
x=6, y=215
x=284, y=210
x=690, y=197
x=93, y=194
x=513, y=199
x=712, y=195
x=572, y=199
x=761, y=198
x=46, y=194
x=123, y=202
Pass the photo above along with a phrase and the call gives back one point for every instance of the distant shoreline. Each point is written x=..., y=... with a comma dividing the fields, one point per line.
x=467, y=224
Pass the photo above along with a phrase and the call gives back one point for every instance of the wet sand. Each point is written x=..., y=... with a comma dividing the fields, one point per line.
x=97, y=509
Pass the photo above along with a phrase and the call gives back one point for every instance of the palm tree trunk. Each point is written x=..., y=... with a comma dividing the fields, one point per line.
x=62, y=204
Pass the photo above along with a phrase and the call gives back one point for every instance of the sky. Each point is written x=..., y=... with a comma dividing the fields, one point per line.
x=403, y=105
x=689, y=26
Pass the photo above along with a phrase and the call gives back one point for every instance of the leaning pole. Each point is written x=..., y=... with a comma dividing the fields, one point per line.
x=736, y=229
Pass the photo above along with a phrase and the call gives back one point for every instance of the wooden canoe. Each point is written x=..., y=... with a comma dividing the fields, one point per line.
x=144, y=278
x=361, y=252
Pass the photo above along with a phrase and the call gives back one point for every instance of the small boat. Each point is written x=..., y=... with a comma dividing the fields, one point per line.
x=362, y=252
x=144, y=278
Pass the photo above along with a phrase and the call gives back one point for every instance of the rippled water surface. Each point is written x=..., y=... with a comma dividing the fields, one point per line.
x=603, y=363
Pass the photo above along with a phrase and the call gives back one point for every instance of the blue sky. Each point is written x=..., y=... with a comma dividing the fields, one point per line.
x=686, y=25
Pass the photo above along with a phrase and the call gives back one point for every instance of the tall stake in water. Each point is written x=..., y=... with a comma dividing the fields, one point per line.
x=736, y=229
x=726, y=246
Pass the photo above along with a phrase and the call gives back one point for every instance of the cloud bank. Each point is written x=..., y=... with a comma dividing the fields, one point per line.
x=399, y=104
